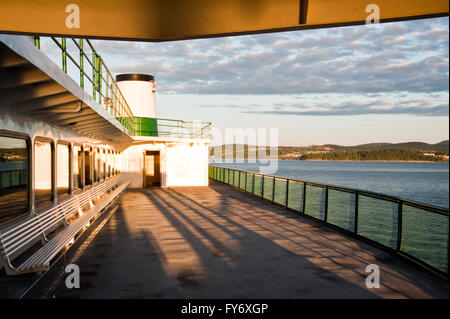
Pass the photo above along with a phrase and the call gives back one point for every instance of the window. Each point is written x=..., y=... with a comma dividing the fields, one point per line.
x=14, y=170
x=62, y=171
x=43, y=176
x=113, y=163
x=77, y=168
x=96, y=162
x=87, y=167
x=101, y=164
x=118, y=163
x=108, y=163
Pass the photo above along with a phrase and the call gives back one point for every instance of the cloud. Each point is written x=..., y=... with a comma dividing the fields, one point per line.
x=436, y=110
x=399, y=103
x=407, y=57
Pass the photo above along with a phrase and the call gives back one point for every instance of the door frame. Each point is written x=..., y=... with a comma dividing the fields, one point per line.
x=144, y=177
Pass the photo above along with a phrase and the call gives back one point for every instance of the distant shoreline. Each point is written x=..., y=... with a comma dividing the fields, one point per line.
x=400, y=161
x=415, y=152
x=320, y=160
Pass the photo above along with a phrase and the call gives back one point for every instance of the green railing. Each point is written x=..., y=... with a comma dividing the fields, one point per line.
x=144, y=126
x=82, y=62
x=415, y=231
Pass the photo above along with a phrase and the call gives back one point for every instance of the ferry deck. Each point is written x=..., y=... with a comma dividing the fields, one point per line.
x=90, y=176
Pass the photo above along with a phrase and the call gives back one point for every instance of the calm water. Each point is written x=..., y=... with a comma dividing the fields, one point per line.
x=422, y=182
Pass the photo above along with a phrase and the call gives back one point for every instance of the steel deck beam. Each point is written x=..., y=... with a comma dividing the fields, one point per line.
x=158, y=20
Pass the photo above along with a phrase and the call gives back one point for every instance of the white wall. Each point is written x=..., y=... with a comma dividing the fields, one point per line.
x=187, y=164
x=132, y=163
x=182, y=164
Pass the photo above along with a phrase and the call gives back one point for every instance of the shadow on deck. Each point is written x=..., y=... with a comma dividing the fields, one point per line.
x=217, y=242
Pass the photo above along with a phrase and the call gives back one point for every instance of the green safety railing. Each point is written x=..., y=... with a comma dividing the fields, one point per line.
x=93, y=74
x=80, y=59
x=144, y=126
x=415, y=231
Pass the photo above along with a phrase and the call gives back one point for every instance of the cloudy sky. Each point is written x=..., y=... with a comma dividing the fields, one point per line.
x=350, y=85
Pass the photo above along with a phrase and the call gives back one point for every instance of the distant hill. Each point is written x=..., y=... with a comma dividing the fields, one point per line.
x=410, y=146
x=373, y=151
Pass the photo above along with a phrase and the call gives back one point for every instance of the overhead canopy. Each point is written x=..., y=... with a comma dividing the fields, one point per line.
x=166, y=20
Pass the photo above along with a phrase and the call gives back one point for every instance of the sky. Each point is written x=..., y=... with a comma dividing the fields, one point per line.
x=347, y=86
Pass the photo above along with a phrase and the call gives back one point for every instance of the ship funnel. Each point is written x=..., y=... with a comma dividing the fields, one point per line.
x=139, y=92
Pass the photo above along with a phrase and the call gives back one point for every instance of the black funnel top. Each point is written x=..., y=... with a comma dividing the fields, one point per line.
x=134, y=77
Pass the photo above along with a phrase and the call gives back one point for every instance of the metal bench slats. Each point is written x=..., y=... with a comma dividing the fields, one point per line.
x=41, y=259
x=18, y=238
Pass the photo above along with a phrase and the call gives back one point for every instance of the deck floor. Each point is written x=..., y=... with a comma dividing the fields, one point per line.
x=218, y=242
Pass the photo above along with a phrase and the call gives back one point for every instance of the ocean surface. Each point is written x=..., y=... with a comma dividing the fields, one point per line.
x=418, y=181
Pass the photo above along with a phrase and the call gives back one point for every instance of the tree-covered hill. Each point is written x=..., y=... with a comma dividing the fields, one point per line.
x=411, y=151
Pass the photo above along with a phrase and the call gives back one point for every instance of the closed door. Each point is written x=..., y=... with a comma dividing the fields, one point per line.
x=152, y=173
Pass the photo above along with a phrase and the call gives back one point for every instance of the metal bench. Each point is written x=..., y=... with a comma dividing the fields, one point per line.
x=15, y=240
